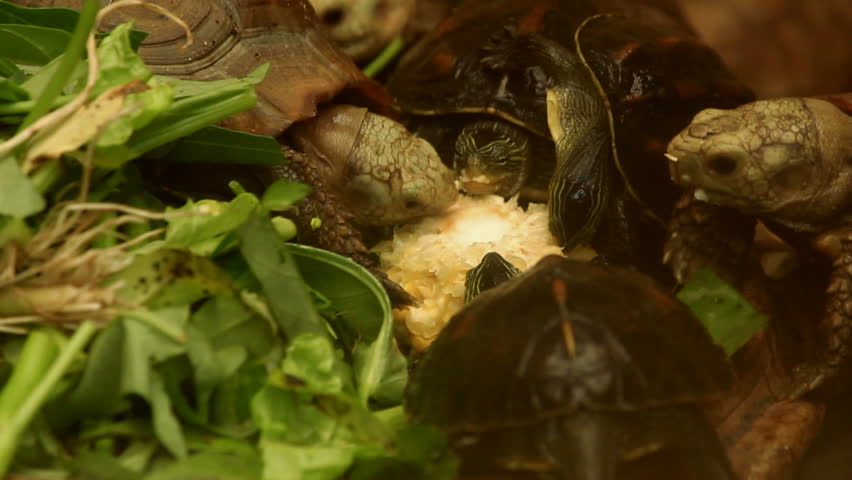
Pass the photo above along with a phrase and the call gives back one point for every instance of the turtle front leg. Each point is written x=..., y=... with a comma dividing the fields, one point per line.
x=701, y=235
x=837, y=321
x=324, y=221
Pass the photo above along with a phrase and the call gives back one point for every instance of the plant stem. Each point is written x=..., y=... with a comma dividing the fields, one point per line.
x=22, y=398
x=71, y=56
x=389, y=52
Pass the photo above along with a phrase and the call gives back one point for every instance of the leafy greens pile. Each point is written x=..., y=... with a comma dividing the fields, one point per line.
x=142, y=341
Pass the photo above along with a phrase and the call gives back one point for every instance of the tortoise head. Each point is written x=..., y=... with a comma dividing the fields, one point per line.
x=491, y=271
x=381, y=171
x=492, y=156
x=785, y=158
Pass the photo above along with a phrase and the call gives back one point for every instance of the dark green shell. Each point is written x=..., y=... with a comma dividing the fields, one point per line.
x=502, y=360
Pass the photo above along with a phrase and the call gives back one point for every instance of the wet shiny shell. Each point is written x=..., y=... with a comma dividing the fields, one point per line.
x=503, y=361
x=655, y=74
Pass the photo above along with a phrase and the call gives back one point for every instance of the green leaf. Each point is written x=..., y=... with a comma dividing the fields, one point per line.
x=92, y=396
x=222, y=145
x=11, y=92
x=168, y=277
x=190, y=88
x=11, y=71
x=118, y=63
x=188, y=115
x=282, y=194
x=30, y=44
x=208, y=222
x=357, y=296
x=212, y=466
x=313, y=360
x=140, y=109
x=145, y=346
x=18, y=196
x=364, y=315
x=284, y=461
x=269, y=259
x=61, y=18
x=227, y=322
x=65, y=64
x=730, y=318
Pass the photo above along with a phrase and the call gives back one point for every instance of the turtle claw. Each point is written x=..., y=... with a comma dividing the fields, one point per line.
x=398, y=296
x=701, y=235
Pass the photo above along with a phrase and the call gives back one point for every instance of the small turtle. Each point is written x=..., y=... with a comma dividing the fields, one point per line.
x=571, y=368
x=366, y=168
x=787, y=162
x=575, y=98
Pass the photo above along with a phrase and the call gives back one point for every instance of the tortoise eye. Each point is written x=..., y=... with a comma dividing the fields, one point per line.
x=332, y=17
x=722, y=164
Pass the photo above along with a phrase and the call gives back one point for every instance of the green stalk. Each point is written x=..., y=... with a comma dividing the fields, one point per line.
x=189, y=115
x=24, y=106
x=38, y=353
x=28, y=388
x=380, y=62
x=66, y=66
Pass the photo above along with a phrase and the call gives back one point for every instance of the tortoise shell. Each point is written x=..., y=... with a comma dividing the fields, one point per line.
x=231, y=38
x=564, y=335
x=655, y=76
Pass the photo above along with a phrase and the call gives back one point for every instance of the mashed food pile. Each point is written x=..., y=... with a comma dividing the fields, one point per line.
x=430, y=258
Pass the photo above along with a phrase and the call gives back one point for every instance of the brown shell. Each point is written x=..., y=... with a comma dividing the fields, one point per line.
x=234, y=37
x=504, y=361
x=843, y=101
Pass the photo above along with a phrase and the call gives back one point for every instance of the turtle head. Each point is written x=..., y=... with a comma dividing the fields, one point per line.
x=491, y=271
x=778, y=158
x=382, y=172
x=492, y=156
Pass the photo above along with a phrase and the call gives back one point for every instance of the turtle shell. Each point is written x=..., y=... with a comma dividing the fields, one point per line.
x=654, y=73
x=234, y=37
x=231, y=38
x=506, y=359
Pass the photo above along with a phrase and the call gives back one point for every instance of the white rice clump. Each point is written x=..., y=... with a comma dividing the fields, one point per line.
x=430, y=258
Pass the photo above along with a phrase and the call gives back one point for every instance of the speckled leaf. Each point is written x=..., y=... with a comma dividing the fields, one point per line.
x=169, y=277
x=730, y=318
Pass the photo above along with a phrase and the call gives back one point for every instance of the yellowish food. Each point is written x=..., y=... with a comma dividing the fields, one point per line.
x=430, y=258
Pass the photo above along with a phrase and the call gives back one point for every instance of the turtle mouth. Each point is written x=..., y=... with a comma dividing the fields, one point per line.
x=686, y=170
x=477, y=184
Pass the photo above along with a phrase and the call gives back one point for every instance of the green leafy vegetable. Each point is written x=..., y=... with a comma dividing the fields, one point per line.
x=189, y=342
x=730, y=318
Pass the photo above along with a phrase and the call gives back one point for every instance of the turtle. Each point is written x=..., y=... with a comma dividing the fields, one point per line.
x=786, y=162
x=567, y=101
x=363, y=27
x=569, y=369
x=365, y=167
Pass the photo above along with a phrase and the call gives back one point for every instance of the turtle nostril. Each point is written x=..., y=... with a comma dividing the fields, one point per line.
x=412, y=204
x=722, y=164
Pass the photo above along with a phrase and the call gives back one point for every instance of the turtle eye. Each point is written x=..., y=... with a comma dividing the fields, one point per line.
x=722, y=164
x=333, y=16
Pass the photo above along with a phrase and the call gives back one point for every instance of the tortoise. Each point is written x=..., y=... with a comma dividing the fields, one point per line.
x=366, y=168
x=786, y=162
x=575, y=97
x=571, y=368
x=363, y=27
